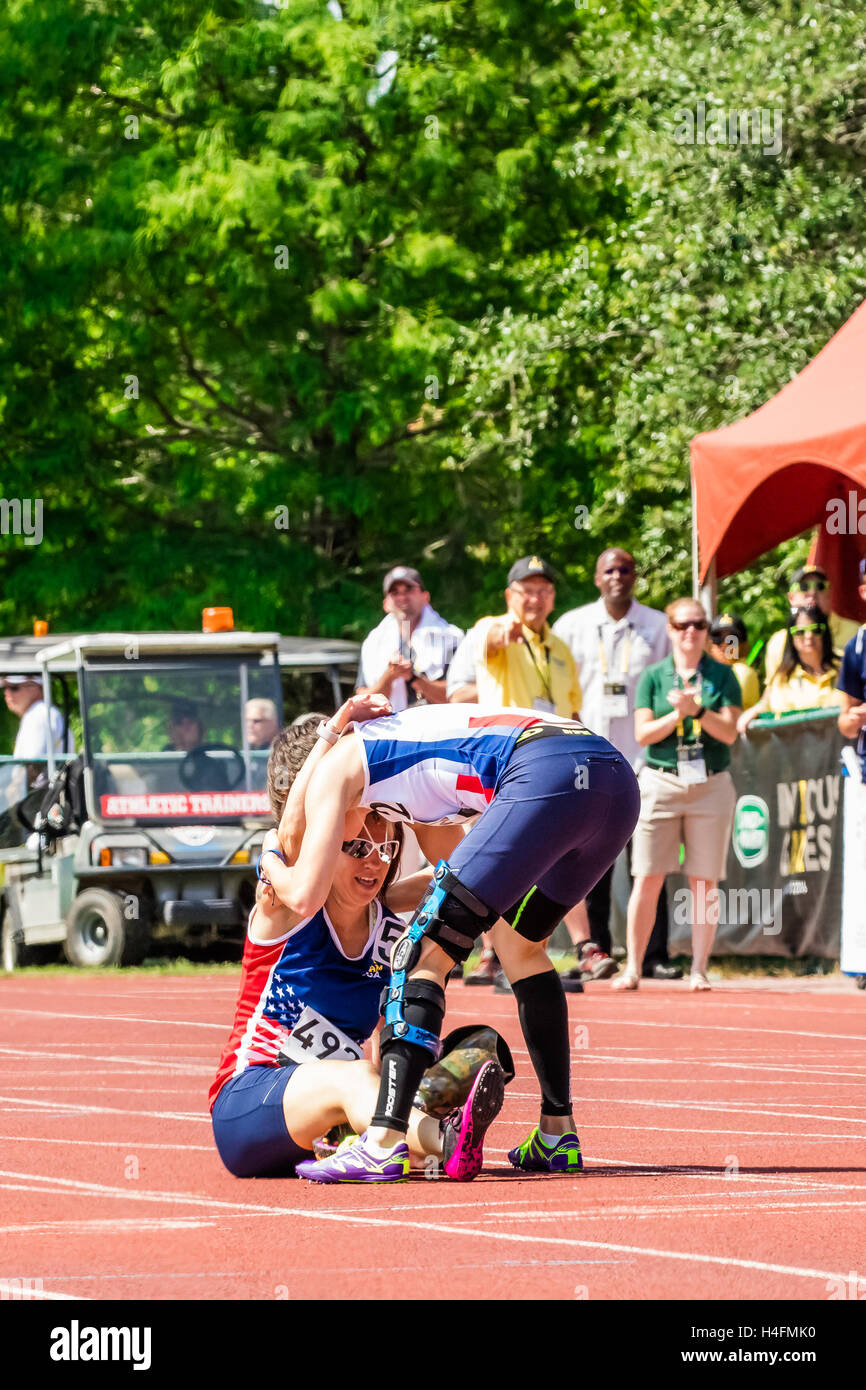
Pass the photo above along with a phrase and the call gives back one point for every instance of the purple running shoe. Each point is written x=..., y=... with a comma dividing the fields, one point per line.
x=352, y=1163
x=464, y=1129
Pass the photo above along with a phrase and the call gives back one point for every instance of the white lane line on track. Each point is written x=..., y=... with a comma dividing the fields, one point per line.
x=101, y=1143
x=13, y=1293
x=714, y=1104
x=108, y=1225
x=122, y=1018
x=347, y=1218
x=189, y=1068
x=62, y=1107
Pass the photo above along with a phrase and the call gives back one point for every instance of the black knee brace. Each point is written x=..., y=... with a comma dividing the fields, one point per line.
x=449, y=914
x=535, y=915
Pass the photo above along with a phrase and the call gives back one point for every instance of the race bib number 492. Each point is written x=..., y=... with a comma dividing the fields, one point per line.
x=314, y=1039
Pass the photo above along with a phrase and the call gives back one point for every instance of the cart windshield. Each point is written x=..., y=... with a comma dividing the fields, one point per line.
x=172, y=739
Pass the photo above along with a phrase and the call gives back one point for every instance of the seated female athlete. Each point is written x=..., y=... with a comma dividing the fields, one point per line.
x=309, y=999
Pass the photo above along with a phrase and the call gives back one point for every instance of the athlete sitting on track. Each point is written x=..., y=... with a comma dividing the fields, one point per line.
x=310, y=989
x=556, y=803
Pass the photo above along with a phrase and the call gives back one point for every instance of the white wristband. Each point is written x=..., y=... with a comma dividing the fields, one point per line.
x=329, y=734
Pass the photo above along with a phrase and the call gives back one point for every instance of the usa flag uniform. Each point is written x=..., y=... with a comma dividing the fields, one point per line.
x=307, y=966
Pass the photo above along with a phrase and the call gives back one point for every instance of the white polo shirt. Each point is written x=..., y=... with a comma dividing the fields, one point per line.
x=31, y=742
x=433, y=643
x=613, y=651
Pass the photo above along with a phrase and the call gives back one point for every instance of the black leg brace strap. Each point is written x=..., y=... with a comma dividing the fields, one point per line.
x=403, y=1061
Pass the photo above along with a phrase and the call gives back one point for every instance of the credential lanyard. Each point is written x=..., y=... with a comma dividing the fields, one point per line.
x=545, y=680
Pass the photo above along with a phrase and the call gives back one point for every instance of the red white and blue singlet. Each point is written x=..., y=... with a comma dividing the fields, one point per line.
x=306, y=967
x=439, y=764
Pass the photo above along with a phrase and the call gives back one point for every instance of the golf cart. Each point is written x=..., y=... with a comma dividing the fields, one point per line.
x=153, y=827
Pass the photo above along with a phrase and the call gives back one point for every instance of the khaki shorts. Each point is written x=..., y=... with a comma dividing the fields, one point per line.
x=699, y=816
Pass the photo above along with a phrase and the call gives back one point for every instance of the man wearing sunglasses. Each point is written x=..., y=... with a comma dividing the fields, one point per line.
x=810, y=587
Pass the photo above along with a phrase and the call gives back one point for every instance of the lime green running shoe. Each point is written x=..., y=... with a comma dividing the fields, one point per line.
x=534, y=1156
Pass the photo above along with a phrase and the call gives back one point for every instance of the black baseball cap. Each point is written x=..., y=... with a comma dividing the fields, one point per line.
x=725, y=625
x=401, y=574
x=530, y=567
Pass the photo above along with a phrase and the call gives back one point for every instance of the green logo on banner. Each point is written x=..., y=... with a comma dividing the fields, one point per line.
x=751, y=831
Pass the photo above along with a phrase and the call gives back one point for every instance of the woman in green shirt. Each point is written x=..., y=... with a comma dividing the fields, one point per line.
x=686, y=711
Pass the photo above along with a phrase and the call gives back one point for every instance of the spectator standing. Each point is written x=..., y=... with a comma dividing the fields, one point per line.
x=613, y=640
x=807, y=674
x=518, y=658
x=519, y=661
x=23, y=696
x=809, y=587
x=728, y=642
x=407, y=656
x=686, y=711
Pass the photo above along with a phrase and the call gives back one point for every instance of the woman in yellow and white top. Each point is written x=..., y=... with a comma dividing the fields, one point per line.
x=806, y=677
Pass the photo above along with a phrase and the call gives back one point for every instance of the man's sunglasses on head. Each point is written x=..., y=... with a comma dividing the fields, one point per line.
x=362, y=849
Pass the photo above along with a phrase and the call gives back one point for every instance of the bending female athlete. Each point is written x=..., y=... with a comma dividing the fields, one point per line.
x=555, y=805
x=309, y=999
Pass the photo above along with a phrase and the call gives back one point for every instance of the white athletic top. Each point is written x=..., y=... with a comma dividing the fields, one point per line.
x=439, y=764
x=31, y=741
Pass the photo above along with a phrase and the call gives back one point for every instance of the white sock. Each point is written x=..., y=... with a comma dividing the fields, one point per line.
x=376, y=1150
x=551, y=1140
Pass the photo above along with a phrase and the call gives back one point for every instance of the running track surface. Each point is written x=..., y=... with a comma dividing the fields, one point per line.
x=724, y=1135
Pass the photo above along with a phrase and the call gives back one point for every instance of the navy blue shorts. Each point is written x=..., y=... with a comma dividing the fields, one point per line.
x=249, y=1126
x=564, y=807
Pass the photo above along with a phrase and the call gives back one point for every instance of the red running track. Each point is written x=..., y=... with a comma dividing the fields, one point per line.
x=724, y=1134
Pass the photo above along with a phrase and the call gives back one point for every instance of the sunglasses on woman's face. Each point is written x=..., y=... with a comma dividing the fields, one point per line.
x=804, y=631
x=362, y=849
x=700, y=624
x=813, y=586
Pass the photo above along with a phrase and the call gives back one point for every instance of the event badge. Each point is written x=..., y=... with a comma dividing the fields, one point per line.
x=691, y=767
x=543, y=706
x=615, y=701
x=313, y=1039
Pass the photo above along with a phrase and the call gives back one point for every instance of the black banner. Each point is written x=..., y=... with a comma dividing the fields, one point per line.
x=783, y=891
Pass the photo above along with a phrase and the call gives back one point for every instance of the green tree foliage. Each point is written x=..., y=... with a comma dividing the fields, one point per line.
x=293, y=293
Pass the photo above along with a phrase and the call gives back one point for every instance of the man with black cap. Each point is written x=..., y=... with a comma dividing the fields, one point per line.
x=407, y=655
x=728, y=641
x=518, y=659
x=809, y=587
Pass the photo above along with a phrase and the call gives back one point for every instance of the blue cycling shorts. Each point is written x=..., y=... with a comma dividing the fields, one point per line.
x=249, y=1126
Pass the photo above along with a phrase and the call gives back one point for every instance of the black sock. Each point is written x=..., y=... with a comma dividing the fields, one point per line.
x=543, y=1015
x=404, y=1063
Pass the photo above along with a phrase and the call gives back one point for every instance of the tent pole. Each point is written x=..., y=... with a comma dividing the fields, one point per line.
x=696, y=588
x=708, y=593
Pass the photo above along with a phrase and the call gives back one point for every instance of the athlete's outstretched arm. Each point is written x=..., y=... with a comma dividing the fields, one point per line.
x=334, y=790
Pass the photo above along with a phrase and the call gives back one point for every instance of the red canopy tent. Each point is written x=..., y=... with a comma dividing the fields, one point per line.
x=770, y=476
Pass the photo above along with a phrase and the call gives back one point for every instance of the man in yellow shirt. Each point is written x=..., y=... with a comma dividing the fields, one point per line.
x=809, y=586
x=520, y=662
x=518, y=659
